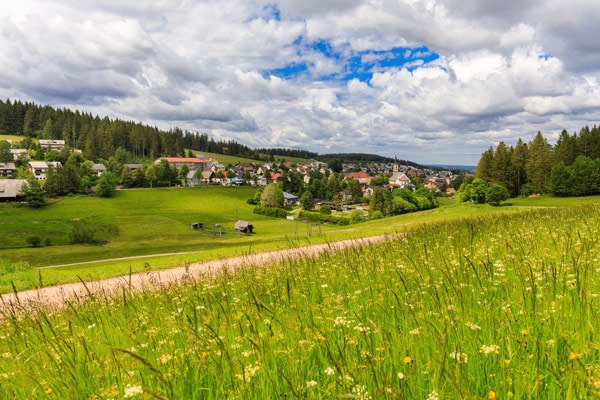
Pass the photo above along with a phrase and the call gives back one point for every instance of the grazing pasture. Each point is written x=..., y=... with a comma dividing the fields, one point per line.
x=489, y=306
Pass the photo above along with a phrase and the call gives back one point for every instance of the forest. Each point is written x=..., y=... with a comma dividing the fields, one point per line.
x=570, y=167
x=99, y=138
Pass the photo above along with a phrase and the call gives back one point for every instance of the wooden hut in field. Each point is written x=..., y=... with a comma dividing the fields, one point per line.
x=242, y=226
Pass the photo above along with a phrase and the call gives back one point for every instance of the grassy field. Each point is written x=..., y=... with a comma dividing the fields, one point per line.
x=233, y=160
x=488, y=306
x=149, y=222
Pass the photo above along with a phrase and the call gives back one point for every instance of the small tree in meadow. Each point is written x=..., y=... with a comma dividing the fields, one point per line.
x=496, y=194
x=106, y=184
x=307, y=201
x=272, y=196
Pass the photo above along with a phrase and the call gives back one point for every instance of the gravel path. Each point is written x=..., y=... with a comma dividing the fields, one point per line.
x=57, y=296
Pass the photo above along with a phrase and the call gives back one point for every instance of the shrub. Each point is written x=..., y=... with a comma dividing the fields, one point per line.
x=356, y=216
x=334, y=219
x=271, y=211
x=325, y=210
x=34, y=241
x=376, y=215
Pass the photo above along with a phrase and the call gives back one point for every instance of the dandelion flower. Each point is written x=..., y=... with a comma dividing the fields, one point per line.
x=407, y=360
x=48, y=391
x=492, y=395
x=574, y=356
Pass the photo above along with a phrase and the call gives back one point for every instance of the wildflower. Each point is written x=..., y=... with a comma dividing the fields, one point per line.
x=433, y=396
x=524, y=332
x=407, y=360
x=506, y=363
x=415, y=331
x=48, y=391
x=492, y=395
x=488, y=349
x=460, y=358
x=360, y=392
x=311, y=384
x=324, y=286
x=92, y=326
x=400, y=375
x=131, y=391
x=329, y=371
x=472, y=326
x=574, y=356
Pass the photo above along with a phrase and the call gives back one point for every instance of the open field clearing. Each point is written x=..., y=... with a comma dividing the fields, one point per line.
x=490, y=306
x=147, y=222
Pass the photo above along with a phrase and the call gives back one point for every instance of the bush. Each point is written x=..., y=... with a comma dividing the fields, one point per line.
x=376, y=215
x=356, y=216
x=325, y=210
x=334, y=219
x=271, y=211
x=34, y=241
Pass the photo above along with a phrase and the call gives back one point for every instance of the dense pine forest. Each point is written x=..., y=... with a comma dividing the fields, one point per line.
x=99, y=138
x=571, y=167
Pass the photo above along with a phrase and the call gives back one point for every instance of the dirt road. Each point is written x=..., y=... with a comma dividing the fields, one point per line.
x=55, y=296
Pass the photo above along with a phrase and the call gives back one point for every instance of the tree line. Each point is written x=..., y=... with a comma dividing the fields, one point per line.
x=570, y=167
x=99, y=138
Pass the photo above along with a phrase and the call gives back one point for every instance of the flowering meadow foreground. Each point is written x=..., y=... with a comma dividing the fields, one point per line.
x=493, y=307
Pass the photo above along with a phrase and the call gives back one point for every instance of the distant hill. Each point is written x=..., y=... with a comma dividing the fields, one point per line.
x=453, y=167
x=364, y=158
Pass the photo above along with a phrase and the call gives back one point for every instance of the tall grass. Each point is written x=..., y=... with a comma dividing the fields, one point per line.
x=501, y=306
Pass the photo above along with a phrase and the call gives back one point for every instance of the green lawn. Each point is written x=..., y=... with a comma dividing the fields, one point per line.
x=147, y=222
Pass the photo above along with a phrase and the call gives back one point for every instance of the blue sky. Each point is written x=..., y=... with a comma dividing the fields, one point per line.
x=359, y=65
x=432, y=81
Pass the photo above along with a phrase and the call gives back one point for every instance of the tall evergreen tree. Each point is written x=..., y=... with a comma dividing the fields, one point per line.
x=485, y=165
x=502, y=171
x=539, y=163
x=519, y=160
x=565, y=149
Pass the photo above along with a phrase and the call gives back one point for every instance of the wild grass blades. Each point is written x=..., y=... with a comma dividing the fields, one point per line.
x=497, y=307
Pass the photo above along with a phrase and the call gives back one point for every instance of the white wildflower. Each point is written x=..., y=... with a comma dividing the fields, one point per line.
x=132, y=391
x=488, y=349
x=311, y=384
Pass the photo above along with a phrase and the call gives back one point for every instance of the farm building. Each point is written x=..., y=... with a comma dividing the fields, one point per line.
x=243, y=227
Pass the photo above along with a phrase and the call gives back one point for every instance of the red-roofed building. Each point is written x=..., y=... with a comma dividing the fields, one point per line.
x=275, y=177
x=192, y=163
x=362, y=177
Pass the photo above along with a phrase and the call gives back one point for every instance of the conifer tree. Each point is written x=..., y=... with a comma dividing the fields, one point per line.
x=539, y=163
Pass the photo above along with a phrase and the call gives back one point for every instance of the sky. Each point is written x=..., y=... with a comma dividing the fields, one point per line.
x=430, y=81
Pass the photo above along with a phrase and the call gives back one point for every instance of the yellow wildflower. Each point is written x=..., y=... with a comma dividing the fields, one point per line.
x=407, y=360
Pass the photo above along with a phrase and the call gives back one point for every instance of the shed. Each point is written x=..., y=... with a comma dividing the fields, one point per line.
x=243, y=226
x=10, y=189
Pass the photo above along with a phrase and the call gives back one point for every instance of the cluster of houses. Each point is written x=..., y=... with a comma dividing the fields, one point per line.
x=204, y=170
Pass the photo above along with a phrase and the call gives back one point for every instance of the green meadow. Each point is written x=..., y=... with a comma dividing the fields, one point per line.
x=148, y=229
x=490, y=305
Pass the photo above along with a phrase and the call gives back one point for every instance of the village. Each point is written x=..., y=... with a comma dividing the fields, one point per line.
x=204, y=170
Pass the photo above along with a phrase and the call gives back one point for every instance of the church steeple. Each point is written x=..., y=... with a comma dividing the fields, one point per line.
x=395, y=167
